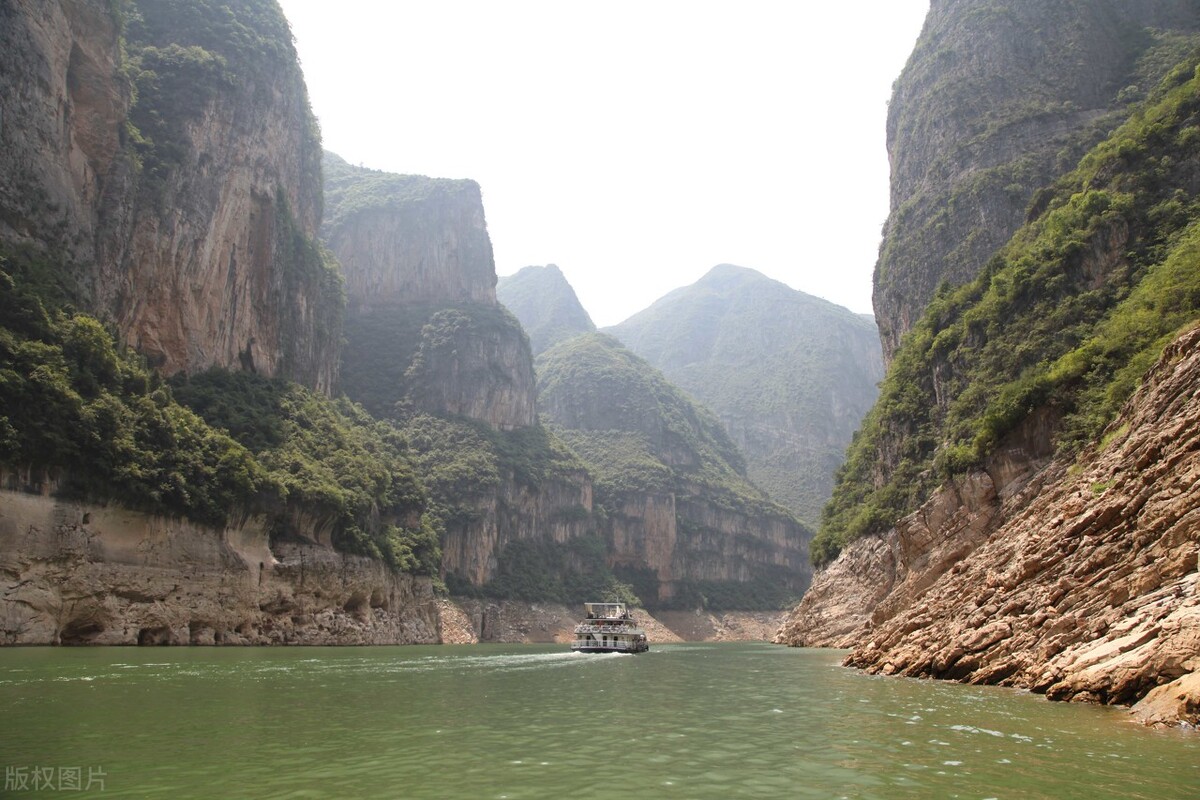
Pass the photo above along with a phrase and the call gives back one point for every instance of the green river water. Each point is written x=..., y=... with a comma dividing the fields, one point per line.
x=492, y=721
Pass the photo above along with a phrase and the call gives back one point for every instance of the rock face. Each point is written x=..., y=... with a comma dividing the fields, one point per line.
x=77, y=574
x=682, y=522
x=62, y=108
x=1079, y=581
x=407, y=238
x=790, y=375
x=423, y=325
x=188, y=215
x=996, y=102
x=545, y=304
x=556, y=510
x=429, y=346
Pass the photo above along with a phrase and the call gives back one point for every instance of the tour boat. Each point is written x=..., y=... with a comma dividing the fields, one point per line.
x=609, y=628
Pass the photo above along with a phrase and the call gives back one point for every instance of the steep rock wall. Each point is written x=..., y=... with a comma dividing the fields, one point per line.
x=211, y=261
x=423, y=325
x=72, y=573
x=557, y=511
x=62, y=107
x=407, y=238
x=1080, y=582
x=187, y=216
x=429, y=346
x=683, y=524
x=996, y=102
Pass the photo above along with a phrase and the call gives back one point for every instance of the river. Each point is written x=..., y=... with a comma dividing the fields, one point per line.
x=498, y=721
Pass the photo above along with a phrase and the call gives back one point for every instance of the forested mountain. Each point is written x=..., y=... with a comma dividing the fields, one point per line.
x=789, y=375
x=686, y=526
x=1019, y=502
x=546, y=305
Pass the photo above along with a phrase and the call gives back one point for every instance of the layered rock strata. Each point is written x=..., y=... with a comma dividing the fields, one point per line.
x=1078, y=580
x=679, y=515
x=72, y=573
x=426, y=340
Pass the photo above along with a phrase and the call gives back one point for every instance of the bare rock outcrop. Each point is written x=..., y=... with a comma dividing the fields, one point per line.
x=173, y=179
x=62, y=108
x=407, y=238
x=72, y=573
x=1080, y=583
x=423, y=325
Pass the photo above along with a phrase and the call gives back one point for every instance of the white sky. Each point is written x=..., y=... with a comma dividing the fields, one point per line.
x=636, y=145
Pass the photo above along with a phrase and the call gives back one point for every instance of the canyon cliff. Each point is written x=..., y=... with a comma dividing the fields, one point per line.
x=423, y=324
x=160, y=192
x=995, y=102
x=684, y=525
x=790, y=375
x=428, y=346
x=169, y=175
x=1018, y=505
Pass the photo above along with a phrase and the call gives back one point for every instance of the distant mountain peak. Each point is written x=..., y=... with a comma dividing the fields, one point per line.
x=789, y=374
x=546, y=305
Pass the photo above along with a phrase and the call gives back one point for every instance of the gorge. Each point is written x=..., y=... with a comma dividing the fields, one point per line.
x=251, y=393
x=254, y=394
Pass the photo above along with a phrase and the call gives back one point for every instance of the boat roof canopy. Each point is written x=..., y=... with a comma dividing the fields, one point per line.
x=601, y=610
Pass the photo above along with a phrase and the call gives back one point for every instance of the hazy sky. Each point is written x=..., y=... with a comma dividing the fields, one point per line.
x=636, y=145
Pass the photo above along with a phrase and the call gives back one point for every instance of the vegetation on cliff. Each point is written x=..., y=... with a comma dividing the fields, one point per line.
x=642, y=437
x=88, y=417
x=84, y=413
x=328, y=460
x=181, y=55
x=790, y=375
x=545, y=304
x=351, y=190
x=973, y=138
x=1065, y=318
x=594, y=384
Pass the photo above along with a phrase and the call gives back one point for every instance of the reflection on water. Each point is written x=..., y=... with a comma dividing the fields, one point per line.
x=686, y=721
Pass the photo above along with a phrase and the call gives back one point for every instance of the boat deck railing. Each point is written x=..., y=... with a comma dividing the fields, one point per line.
x=587, y=628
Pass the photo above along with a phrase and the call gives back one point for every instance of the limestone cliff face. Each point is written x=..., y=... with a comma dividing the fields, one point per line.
x=72, y=573
x=187, y=216
x=423, y=325
x=682, y=522
x=1076, y=580
x=557, y=510
x=63, y=105
x=407, y=238
x=996, y=102
x=428, y=345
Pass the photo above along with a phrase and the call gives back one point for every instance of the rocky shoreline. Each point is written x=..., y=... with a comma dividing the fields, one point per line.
x=1076, y=580
x=83, y=574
